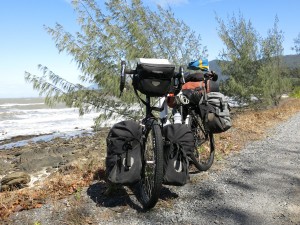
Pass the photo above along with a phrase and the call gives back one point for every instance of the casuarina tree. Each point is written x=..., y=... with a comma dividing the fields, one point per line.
x=123, y=30
x=254, y=64
x=239, y=58
x=296, y=46
x=273, y=73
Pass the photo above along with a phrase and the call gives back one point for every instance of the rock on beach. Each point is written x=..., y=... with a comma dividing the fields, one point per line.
x=34, y=159
x=14, y=180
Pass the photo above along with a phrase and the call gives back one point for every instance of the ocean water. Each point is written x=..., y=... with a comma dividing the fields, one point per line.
x=31, y=116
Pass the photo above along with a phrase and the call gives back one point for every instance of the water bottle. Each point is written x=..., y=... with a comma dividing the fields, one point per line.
x=187, y=120
x=177, y=118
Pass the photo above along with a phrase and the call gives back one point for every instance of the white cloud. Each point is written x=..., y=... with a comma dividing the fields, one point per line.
x=170, y=2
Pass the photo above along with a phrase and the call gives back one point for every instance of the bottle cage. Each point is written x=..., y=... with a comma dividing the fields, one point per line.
x=183, y=99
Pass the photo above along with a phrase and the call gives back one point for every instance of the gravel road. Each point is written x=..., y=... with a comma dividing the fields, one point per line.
x=259, y=185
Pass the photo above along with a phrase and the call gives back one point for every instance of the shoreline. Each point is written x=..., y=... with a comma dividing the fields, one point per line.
x=40, y=159
x=22, y=140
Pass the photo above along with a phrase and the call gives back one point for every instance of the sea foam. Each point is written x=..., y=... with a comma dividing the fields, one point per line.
x=33, y=120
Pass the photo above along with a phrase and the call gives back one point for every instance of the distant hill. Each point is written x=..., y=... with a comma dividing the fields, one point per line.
x=213, y=65
x=292, y=62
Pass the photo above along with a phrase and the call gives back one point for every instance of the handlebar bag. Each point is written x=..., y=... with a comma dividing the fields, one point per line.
x=154, y=77
x=124, y=153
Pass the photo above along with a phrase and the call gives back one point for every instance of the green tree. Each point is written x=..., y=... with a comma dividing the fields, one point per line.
x=296, y=46
x=273, y=73
x=254, y=65
x=239, y=58
x=125, y=30
x=295, y=72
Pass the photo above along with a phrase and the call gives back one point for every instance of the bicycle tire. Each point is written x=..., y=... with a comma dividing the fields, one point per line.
x=204, y=151
x=152, y=173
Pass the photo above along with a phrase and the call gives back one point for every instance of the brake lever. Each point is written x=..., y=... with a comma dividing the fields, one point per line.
x=215, y=76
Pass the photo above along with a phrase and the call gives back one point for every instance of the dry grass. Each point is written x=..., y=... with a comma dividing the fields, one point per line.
x=77, y=214
x=61, y=184
x=247, y=126
x=251, y=125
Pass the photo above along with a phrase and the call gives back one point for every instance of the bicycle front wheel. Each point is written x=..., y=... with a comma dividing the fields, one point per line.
x=152, y=175
x=204, y=151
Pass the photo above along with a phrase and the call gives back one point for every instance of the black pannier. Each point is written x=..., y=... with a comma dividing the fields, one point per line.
x=154, y=80
x=124, y=156
x=179, y=144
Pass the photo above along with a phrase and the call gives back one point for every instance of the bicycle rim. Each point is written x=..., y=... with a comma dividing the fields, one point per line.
x=204, y=150
x=152, y=175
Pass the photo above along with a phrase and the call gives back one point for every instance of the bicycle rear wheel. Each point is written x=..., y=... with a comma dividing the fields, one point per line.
x=204, y=151
x=152, y=175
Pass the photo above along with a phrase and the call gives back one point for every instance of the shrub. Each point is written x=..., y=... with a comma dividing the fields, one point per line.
x=296, y=92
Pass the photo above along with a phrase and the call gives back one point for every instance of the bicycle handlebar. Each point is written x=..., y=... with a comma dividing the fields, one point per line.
x=178, y=82
x=211, y=75
x=124, y=71
x=130, y=71
x=123, y=77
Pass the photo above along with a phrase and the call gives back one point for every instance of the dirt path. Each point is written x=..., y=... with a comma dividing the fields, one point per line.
x=259, y=185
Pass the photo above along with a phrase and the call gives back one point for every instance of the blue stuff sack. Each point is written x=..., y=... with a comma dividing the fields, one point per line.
x=201, y=64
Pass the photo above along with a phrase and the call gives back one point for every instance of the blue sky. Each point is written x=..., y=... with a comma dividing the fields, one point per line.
x=24, y=43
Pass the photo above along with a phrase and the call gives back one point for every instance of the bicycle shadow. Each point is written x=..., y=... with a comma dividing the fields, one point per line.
x=122, y=196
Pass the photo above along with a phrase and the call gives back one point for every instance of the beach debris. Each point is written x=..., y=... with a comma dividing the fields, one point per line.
x=15, y=180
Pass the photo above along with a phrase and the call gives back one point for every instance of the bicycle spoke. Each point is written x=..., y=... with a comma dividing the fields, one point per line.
x=153, y=159
x=204, y=146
